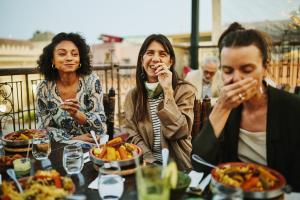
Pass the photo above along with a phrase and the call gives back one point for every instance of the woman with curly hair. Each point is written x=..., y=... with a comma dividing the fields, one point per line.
x=70, y=99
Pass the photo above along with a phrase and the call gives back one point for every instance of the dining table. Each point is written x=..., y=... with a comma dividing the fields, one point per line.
x=89, y=174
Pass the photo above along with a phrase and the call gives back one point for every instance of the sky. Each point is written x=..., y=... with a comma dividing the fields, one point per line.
x=19, y=19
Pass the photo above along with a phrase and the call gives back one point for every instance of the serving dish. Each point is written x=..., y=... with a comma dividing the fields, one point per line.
x=20, y=138
x=256, y=181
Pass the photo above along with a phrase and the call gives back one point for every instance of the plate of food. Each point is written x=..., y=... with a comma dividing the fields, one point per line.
x=43, y=185
x=256, y=181
x=7, y=161
x=116, y=150
x=20, y=138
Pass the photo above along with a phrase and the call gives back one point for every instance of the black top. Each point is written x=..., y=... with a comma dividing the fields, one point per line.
x=283, y=138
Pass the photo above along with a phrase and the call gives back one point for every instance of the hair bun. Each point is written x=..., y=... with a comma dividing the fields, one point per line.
x=235, y=26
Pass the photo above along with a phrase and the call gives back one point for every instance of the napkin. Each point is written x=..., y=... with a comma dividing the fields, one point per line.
x=195, y=178
x=94, y=184
x=292, y=196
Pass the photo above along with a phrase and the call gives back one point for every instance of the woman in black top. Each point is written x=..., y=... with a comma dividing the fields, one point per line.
x=251, y=122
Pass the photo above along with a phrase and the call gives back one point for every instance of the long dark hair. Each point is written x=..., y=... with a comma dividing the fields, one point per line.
x=45, y=60
x=237, y=36
x=141, y=77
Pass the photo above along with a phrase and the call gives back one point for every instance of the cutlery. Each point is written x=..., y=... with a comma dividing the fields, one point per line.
x=202, y=161
x=12, y=175
x=95, y=138
x=165, y=156
x=199, y=189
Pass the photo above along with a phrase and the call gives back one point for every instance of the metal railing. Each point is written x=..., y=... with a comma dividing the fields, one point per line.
x=18, y=93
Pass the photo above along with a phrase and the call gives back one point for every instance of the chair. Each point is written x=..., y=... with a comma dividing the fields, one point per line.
x=201, y=114
x=109, y=109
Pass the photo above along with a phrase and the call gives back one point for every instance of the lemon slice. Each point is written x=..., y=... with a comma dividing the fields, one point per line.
x=171, y=174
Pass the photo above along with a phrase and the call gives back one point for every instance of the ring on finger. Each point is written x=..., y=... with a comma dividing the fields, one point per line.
x=242, y=96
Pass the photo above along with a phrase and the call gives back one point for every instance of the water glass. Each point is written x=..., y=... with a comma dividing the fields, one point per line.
x=2, y=152
x=151, y=185
x=226, y=193
x=110, y=183
x=41, y=146
x=73, y=159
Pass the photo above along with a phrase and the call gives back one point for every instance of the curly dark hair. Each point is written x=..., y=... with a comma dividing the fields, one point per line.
x=45, y=60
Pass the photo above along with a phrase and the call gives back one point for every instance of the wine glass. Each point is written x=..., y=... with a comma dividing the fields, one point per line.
x=41, y=146
x=73, y=159
x=110, y=183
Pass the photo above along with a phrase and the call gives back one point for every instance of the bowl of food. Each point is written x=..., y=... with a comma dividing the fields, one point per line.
x=183, y=182
x=43, y=184
x=7, y=161
x=20, y=138
x=256, y=181
x=116, y=150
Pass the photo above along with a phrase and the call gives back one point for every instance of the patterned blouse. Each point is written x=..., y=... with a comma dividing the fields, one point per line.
x=59, y=124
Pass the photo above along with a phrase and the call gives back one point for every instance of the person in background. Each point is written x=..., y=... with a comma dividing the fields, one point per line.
x=207, y=80
x=69, y=101
x=159, y=110
x=251, y=121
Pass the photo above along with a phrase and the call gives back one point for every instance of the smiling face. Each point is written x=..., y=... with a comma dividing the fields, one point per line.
x=155, y=54
x=66, y=57
x=238, y=63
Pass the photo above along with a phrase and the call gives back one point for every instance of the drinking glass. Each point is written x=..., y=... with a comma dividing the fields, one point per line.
x=41, y=146
x=110, y=183
x=221, y=192
x=73, y=159
x=151, y=184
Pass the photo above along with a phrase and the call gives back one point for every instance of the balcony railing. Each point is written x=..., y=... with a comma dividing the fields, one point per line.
x=18, y=93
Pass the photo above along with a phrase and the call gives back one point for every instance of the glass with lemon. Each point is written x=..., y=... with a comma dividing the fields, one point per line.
x=155, y=182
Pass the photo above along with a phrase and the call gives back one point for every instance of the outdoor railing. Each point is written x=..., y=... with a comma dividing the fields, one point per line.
x=18, y=86
x=18, y=93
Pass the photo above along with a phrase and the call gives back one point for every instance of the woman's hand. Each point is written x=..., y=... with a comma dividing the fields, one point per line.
x=72, y=106
x=164, y=76
x=231, y=96
x=87, y=137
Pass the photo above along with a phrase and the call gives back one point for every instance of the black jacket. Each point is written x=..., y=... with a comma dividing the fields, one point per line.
x=283, y=138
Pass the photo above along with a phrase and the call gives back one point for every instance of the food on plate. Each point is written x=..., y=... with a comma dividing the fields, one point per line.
x=8, y=160
x=249, y=177
x=122, y=152
x=21, y=135
x=116, y=149
x=43, y=185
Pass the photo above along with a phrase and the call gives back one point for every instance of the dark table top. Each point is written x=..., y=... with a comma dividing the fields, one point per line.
x=87, y=175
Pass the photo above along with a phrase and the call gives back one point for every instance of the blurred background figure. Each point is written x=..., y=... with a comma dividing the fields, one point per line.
x=206, y=79
x=70, y=99
x=159, y=110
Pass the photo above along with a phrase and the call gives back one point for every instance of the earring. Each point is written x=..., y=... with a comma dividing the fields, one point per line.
x=53, y=66
x=79, y=65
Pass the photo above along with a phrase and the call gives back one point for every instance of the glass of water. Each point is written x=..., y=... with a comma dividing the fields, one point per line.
x=41, y=146
x=73, y=159
x=110, y=183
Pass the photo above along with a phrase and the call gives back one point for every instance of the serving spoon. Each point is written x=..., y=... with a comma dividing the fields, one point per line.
x=202, y=161
x=12, y=175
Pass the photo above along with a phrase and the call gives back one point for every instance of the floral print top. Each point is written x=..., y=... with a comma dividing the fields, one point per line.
x=59, y=124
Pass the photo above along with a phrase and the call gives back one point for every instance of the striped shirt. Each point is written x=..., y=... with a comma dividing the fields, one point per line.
x=153, y=103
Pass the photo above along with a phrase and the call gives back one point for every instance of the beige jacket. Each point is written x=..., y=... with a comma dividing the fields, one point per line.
x=176, y=117
x=195, y=78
